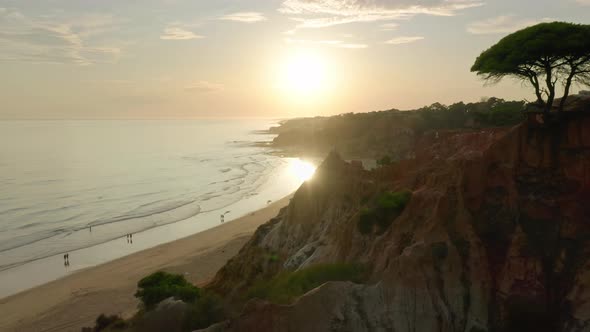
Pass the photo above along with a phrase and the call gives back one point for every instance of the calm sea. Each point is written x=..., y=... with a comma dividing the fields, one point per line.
x=66, y=185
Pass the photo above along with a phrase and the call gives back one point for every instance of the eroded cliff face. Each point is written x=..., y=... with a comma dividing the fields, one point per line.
x=495, y=237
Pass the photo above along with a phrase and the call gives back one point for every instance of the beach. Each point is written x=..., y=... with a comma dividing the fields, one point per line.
x=72, y=302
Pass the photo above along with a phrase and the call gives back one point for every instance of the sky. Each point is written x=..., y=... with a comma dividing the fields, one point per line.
x=144, y=59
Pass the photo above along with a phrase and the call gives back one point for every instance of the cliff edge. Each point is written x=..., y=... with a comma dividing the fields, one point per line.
x=495, y=237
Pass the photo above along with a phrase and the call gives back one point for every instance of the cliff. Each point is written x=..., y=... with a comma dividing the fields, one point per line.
x=495, y=237
x=389, y=133
x=363, y=135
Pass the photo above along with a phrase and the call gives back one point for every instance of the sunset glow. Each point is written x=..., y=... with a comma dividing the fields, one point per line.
x=302, y=170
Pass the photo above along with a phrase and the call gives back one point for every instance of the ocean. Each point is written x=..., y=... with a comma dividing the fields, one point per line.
x=78, y=186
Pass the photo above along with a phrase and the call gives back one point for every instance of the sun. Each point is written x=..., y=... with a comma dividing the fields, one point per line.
x=303, y=74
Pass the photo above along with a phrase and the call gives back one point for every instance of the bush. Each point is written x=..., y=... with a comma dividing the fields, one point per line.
x=366, y=221
x=162, y=285
x=289, y=285
x=390, y=202
x=204, y=312
x=112, y=322
x=389, y=206
x=491, y=112
x=386, y=160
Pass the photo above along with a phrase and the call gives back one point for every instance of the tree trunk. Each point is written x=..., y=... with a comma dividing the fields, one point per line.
x=550, y=87
x=535, y=82
x=568, y=84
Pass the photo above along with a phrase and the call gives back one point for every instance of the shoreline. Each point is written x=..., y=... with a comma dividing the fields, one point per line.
x=74, y=301
x=26, y=276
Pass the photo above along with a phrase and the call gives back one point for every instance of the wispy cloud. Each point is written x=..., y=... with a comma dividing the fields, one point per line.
x=389, y=26
x=178, y=33
x=502, y=24
x=53, y=39
x=324, y=13
x=583, y=2
x=353, y=46
x=332, y=43
x=244, y=17
x=204, y=87
x=404, y=40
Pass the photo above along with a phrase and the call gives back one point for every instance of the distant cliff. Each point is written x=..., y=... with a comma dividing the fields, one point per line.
x=389, y=133
x=495, y=237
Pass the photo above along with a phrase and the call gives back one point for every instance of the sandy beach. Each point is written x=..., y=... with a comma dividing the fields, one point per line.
x=70, y=303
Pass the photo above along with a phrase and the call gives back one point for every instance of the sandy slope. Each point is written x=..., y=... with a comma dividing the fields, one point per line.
x=75, y=301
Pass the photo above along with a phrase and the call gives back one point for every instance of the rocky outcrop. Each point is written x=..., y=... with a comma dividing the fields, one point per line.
x=496, y=237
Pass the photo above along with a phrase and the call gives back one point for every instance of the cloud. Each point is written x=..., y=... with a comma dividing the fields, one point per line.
x=178, y=33
x=244, y=17
x=56, y=39
x=353, y=46
x=204, y=87
x=502, y=24
x=389, y=26
x=325, y=13
x=583, y=2
x=403, y=40
x=332, y=43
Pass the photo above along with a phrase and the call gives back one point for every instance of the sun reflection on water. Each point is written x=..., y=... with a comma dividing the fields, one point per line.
x=301, y=170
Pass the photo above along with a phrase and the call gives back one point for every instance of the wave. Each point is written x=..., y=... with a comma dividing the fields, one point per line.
x=135, y=214
x=252, y=169
x=13, y=210
x=62, y=233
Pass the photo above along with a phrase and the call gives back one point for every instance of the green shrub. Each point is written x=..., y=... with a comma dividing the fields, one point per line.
x=389, y=206
x=162, y=285
x=390, y=203
x=204, y=312
x=289, y=285
x=113, y=322
x=386, y=160
x=366, y=221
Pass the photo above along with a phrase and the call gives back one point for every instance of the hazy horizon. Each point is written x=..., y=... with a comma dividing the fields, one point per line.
x=66, y=59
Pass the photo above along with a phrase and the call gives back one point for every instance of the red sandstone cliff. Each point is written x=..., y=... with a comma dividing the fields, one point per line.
x=496, y=237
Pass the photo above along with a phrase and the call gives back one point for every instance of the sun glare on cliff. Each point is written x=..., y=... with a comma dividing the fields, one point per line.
x=303, y=74
x=301, y=170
